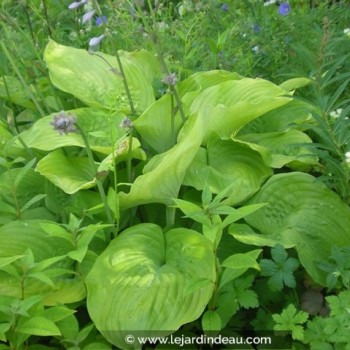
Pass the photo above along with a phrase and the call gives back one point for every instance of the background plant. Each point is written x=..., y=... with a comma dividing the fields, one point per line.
x=238, y=175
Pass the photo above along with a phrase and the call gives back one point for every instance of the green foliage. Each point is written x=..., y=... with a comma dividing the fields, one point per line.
x=291, y=320
x=299, y=211
x=338, y=268
x=332, y=331
x=280, y=269
x=136, y=184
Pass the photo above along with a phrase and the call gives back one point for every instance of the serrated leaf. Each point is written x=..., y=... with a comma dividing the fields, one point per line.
x=290, y=320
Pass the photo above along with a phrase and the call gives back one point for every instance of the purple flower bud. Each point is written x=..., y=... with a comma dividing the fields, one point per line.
x=126, y=124
x=101, y=20
x=170, y=79
x=96, y=40
x=87, y=16
x=284, y=9
x=64, y=123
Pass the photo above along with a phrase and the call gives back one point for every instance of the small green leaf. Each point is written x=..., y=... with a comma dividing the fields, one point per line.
x=78, y=254
x=8, y=260
x=82, y=335
x=32, y=201
x=23, y=171
x=58, y=313
x=40, y=276
x=38, y=325
x=211, y=322
x=243, y=260
x=280, y=269
x=291, y=320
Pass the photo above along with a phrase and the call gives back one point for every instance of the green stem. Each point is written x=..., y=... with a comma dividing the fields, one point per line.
x=170, y=216
x=98, y=181
x=125, y=82
x=46, y=17
x=155, y=40
x=129, y=158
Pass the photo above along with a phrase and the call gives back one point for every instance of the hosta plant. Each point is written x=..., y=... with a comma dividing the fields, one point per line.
x=147, y=206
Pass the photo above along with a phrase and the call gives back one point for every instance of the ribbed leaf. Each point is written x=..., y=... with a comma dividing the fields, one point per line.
x=292, y=115
x=238, y=102
x=96, y=80
x=68, y=173
x=163, y=175
x=42, y=135
x=303, y=213
x=227, y=163
x=19, y=236
x=281, y=148
x=142, y=278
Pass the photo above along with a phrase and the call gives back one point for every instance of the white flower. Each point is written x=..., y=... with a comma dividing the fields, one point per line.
x=270, y=2
x=255, y=49
x=347, y=31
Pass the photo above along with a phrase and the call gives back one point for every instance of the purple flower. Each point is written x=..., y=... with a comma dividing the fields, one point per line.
x=126, y=124
x=64, y=123
x=87, y=16
x=101, y=20
x=284, y=9
x=96, y=40
x=224, y=7
x=170, y=79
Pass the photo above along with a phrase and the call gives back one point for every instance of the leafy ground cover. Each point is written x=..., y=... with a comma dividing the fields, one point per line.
x=174, y=168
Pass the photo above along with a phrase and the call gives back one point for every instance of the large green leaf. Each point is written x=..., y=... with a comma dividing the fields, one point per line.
x=68, y=173
x=19, y=236
x=155, y=124
x=238, y=102
x=293, y=115
x=225, y=163
x=144, y=280
x=92, y=121
x=281, y=148
x=163, y=175
x=301, y=213
x=95, y=78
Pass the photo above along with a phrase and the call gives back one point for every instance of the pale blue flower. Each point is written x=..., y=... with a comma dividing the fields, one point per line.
x=96, y=40
x=87, y=16
x=77, y=4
